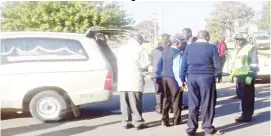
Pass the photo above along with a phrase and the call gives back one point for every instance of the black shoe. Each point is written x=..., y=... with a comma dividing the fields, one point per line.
x=241, y=119
x=236, y=97
x=216, y=133
x=128, y=126
x=140, y=127
x=185, y=107
x=191, y=134
x=165, y=123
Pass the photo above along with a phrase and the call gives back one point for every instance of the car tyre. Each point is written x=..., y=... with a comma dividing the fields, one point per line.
x=49, y=106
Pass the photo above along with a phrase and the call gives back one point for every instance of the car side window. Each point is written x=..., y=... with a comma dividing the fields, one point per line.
x=41, y=49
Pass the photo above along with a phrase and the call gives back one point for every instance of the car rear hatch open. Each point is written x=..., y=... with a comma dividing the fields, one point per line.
x=100, y=37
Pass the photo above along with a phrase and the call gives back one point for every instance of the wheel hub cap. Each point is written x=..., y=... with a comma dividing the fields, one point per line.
x=48, y=107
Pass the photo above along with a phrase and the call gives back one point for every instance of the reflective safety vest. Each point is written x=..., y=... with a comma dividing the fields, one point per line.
x=241, y=64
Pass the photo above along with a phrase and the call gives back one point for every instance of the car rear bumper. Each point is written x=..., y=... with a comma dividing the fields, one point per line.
x=92, y=97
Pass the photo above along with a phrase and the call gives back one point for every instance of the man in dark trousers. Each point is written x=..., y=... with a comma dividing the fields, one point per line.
x=201, y=63
x=157, y=80
x=245, y=67
x=170, y=67
x=222, y=51
x=187, y=33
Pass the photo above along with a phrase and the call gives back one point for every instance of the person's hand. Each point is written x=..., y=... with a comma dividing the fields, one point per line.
x=231, y=78
x=183, y=86
x=248, y=80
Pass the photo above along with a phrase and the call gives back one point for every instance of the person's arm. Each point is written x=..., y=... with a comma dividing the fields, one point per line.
x=254, y=63
x=144, y=60
x=226, y=48
x=177, y=69
x=152, y=55
x=216, y=62
x=184, y=66
x=159, y=67
x=217, y=46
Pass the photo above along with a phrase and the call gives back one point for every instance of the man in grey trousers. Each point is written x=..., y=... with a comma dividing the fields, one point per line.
x=132, y=61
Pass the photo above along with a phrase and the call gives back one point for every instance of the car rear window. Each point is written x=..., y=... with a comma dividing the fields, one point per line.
x=40, y=49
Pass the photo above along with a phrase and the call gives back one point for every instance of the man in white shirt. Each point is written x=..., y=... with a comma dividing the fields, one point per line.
x=132, y=61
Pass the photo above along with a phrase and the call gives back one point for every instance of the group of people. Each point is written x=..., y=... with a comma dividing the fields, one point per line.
x=183, y=61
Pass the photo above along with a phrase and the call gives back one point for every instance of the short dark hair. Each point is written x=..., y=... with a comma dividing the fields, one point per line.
x=187, y=30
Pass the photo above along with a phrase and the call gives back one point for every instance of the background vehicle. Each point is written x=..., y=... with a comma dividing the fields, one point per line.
x=49, y=74
x=261, y=40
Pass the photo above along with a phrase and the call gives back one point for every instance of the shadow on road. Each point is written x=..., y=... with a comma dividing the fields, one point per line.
x=76, y=130
x=257, y=119
x=90, y=111
x=26, y=129
x=7, y=114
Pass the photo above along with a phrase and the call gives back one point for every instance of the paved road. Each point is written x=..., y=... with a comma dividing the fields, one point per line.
x=103, y=119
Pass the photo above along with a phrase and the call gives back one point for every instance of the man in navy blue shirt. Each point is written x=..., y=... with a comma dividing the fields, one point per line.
x=157, y=80
x=201, y=63
x=169, y=67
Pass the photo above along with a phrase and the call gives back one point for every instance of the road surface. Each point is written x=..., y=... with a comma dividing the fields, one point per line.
x=103, y=119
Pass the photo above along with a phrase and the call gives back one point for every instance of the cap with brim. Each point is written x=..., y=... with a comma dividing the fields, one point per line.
x=165, y=35
x=180, y=39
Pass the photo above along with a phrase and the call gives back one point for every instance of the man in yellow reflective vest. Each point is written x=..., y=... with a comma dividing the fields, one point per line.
x=244, y=69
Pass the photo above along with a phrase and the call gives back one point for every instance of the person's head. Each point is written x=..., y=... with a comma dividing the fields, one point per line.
x=187, y=33
x=204, y=35
x=179, y=41
x=241, y=39
x=222, y=38
x=165, y=41
x=138, y=37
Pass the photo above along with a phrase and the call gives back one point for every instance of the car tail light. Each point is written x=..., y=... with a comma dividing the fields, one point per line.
x=108, y=81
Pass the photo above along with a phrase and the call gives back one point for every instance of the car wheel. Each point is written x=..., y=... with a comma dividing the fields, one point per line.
x=49, y=106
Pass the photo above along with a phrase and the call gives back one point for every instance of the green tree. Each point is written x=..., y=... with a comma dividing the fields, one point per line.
x=264, y=22
x=62, y=16
x=147, y=29
x=227, y=16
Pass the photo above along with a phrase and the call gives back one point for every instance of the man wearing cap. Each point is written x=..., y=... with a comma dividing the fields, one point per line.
x=169, y=67
x=244, y=69
x=156, y=78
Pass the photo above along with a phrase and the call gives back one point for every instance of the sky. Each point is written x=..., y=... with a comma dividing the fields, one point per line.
x=177, y=15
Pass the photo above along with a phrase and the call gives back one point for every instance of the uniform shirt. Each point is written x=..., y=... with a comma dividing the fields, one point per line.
x=155, y=56
x=200, y=57
x=169, y=64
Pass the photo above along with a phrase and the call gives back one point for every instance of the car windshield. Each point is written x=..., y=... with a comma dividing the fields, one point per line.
x=262, y=37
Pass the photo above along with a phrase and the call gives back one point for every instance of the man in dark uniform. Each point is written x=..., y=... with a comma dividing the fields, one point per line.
x=201, y=70
x=170, y=67
x=187, y=33
x=245, y=67
x=157, y=80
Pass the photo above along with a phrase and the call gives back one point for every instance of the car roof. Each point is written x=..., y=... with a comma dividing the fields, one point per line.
x=41, y=34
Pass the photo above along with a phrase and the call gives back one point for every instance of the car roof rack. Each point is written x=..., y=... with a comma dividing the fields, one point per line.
x=93, y=33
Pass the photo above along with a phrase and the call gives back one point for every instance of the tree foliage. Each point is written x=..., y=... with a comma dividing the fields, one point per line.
x=147, y=29
x=264, y=22
x=227, y=16
x=62, y=16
